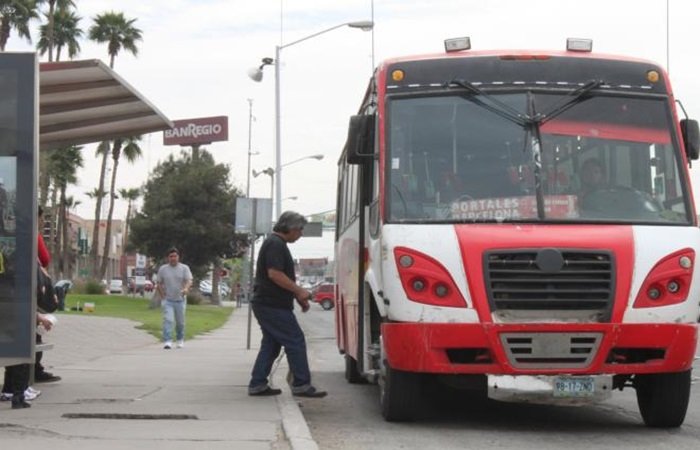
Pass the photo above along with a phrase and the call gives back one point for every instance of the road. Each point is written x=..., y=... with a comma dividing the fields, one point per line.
x=349, y=417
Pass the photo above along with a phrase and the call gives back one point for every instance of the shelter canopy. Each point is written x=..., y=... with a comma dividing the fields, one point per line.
x=85, y=101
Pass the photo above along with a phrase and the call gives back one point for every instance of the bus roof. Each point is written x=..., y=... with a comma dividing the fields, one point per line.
x=514, y=52
x=522, y=68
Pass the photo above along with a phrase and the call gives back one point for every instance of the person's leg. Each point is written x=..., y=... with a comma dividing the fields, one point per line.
x=168, y=318
x=282, y=325
x=269, y=351
x=7, y=382
x=179, y=310
x=19, y=381
x=38, y=368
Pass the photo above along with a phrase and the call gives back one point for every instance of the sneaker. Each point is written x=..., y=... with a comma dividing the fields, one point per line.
x=311, y=392
x=180, y=344
x=168, y=345
x=30, y=395
x=5, y=396
x=265, y=393
x=45, y=377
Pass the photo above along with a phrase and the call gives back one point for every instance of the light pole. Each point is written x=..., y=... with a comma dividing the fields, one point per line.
x=272, y=172
x=256, y=74
x=250, y=139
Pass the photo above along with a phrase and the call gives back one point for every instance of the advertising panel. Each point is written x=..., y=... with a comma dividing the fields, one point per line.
x=203, y=130
x=18, y=206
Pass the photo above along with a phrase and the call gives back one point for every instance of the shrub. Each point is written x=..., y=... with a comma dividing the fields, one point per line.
x=94, y=287
x=194, y=298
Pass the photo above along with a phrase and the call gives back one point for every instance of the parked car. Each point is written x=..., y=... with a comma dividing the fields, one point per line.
x=116, y=286
x=205, y=289
x=147, y=286
x=324, y=295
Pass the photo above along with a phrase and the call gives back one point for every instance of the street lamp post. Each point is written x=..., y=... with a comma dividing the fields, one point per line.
x=256, y=74
x=250, y=152
x=272, y=172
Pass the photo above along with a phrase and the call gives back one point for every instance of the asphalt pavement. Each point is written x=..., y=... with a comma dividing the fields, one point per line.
x=121, y=390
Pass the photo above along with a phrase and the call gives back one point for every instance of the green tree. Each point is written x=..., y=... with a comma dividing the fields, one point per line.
x=98, y=194
x=55, y=6
x=130, y=195
x=117, y=31
x=16, y=14
x=188, y=204
x=131, y=151
x=65, y=164
x=66, y=33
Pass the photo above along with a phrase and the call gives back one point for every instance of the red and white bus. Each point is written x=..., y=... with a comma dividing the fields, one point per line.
x=522, y=223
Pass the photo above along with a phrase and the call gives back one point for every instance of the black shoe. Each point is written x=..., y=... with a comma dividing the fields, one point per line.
x=266, y=393
x=18, y=402
x=311, y=392
x=46, y=377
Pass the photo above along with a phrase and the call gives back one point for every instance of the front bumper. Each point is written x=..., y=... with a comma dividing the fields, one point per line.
x=551, y=348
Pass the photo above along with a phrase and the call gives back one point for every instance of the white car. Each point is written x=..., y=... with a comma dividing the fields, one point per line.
x=205, y=289
x=116, y=286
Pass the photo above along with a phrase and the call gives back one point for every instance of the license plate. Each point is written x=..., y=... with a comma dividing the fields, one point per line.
x=574, y=386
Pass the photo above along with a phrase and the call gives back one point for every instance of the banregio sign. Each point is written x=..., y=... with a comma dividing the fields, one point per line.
x=203, y=130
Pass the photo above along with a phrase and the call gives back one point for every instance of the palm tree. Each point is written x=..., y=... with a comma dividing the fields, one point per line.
x=67, y=251
x=131, y=152
x=65, y=164
x=51, y=31
x=16, y=14
x=98, y=194
x=130, y=195
x=117, y=31
x=66, y=33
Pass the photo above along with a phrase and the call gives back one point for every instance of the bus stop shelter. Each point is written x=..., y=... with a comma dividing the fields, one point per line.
x=85, y=101
x=42, y=107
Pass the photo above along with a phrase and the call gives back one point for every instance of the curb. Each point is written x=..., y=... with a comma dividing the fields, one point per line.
x=294, y=424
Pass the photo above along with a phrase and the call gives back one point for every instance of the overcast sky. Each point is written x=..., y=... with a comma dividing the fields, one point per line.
x=195, y=54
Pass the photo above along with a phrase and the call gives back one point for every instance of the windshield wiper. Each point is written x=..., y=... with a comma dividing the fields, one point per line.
x=574, y=97
x=497, y=107
x=524, y=120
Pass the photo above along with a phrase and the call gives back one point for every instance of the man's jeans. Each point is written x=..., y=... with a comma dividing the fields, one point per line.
x=174, y=311
x=279, y=329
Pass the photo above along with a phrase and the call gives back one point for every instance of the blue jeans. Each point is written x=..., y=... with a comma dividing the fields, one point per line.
x=174, y=311
x=279, y=329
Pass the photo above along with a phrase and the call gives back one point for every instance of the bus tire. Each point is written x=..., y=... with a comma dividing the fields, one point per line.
x=352, y=373
x=663, y=398
x=327, y=304
x=399, y=394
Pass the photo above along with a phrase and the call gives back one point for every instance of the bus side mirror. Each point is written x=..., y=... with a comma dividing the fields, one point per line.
x=360, y=143
x=691, y=138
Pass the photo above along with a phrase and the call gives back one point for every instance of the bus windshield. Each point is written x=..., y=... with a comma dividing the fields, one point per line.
x=608, y=158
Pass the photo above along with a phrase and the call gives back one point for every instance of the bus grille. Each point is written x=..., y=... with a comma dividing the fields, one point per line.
x=550, y=279
x=548, y=350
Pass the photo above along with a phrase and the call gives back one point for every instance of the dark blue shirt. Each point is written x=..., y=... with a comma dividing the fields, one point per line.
x=274, y=254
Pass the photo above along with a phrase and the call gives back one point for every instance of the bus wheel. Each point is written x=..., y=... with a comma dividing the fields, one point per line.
x=663, y=398
x=327, y=304
x=352, y=373
x=399, y=394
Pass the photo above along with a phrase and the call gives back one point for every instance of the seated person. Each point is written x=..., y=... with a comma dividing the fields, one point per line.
x=593, y=176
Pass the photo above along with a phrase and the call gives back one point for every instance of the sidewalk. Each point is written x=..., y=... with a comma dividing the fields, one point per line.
x=122, y=390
